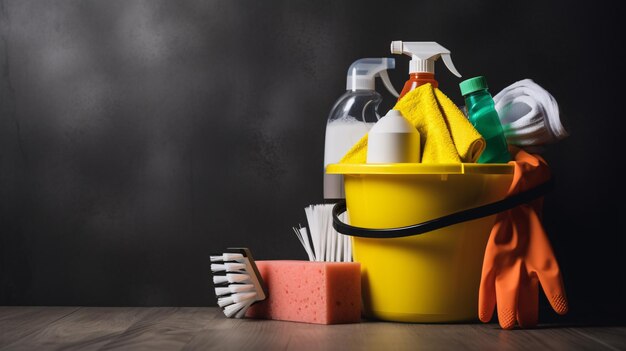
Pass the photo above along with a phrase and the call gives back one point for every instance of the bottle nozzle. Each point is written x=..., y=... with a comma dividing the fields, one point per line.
x=396, y=47
x=363, y=72
x=423, y=55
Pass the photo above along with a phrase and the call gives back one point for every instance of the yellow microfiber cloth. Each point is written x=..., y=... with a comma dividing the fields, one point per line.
x=446, y=135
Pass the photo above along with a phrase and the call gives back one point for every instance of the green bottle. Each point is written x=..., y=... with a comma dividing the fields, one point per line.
x=482, y=114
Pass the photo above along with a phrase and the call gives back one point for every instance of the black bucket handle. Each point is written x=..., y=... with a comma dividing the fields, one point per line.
x=438, y=223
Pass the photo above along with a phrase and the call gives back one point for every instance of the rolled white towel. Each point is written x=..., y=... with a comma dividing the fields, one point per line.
x=529, y=114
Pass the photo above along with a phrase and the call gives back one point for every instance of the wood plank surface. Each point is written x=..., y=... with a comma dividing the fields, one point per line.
x=165, y=328
x=83, y=329
x=611, y=337
x=197, y=328
x=19, y=322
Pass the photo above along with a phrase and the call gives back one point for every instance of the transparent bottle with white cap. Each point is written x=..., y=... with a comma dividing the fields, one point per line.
x=352, y=116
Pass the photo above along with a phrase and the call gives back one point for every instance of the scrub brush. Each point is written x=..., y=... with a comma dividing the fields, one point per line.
x=237, y=281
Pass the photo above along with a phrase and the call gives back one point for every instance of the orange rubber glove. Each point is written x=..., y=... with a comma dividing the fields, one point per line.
x=518, y=255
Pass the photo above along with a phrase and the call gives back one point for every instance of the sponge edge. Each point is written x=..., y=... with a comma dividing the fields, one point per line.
x=310, y=292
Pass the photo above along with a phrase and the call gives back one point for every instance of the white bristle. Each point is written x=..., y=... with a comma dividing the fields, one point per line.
x=225, y=301
x=231, y=310
x=244, y=296
x=244, y=308
x=222, y=291
x=233, y=257
x=235, y=288
x=219, y=279
x=233, y=267
x=228, y=267
x=228, y=257
x=218, y=267
x=322, y=242
x=237, y=278
x=237, y=298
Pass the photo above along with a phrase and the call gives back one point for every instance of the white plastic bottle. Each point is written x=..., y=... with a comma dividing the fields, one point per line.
x=393, y=140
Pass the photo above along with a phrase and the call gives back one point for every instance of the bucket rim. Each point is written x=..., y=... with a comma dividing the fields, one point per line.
x=420, y=168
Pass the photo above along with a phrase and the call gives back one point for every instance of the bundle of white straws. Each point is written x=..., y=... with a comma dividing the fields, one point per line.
x=324, y=243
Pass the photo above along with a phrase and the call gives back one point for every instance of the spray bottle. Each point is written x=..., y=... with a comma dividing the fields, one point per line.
x=354, y=113
x=422, y=65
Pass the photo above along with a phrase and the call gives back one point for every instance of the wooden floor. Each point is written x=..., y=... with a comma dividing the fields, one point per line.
x=104, y=328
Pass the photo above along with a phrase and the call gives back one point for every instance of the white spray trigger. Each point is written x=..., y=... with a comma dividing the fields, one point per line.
x=363, y=72
x=384, y=76
x=423, y=55
x=447, y=60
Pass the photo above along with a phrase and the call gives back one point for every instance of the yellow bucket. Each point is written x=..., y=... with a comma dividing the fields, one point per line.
x=428, y=278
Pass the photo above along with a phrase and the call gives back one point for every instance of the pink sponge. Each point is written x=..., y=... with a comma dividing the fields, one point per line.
x=310, y=292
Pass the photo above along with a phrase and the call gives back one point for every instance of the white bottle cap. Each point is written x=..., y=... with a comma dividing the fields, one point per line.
x=417, y=65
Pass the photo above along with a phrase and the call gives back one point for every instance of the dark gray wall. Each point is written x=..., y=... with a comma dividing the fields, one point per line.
x=138, y=137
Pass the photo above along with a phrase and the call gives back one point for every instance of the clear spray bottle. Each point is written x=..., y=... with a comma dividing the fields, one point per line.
x=353, y=115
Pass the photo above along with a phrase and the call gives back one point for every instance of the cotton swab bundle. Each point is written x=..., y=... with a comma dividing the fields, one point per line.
x=323, y=243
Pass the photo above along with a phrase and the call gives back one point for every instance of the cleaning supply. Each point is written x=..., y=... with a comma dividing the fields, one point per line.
x=529, y=114
x=237, y=281
x=393, y=140
x=519, y=256
x=354, y=113
x=446, y=136
x=482, y=113
x=323, y=243
x=432, y=277
x=422, y=65
x=310, y=292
